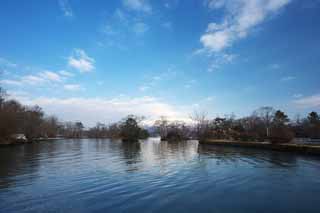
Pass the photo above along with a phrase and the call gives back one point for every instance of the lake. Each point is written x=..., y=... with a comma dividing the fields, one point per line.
x=151, y=176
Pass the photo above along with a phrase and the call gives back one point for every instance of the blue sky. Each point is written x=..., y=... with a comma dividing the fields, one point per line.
x=101, y=60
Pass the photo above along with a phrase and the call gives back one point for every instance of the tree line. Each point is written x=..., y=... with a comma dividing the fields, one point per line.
x=128, y=129
x=263, y=124
x=33, y=123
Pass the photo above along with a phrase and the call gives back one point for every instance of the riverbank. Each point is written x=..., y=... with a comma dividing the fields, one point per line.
x=309, y=149
x=11, y=142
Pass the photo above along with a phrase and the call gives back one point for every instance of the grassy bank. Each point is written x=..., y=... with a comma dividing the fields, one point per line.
x=287, y=147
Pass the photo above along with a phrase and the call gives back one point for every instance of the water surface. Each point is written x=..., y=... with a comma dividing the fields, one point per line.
x=154, y=176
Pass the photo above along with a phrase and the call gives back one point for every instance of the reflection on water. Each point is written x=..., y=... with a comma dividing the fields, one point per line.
x=256, y=158
x=154, y=176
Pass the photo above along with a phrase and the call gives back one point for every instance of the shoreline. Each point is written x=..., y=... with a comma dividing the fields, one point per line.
x=307, y=149
x=17, y=143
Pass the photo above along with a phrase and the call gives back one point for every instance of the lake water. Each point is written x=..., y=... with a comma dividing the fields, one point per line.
x=153, y=176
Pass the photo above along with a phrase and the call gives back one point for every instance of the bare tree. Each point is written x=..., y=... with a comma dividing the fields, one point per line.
x=162, y=127
x=201, y=124
x=50, y=127
x=266, y=114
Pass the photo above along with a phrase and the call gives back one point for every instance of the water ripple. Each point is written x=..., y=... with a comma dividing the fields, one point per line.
x=154, y=176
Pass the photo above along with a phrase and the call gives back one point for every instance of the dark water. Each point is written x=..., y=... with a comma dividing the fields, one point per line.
x=153, y=176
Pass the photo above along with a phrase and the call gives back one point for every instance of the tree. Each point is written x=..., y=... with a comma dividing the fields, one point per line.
x=129, y=128
x=79, y=128
x=280, y=131
x=50, y=127
x=266, y=115
x=313, y=129
x=11, y=117
x=2, y=96
x=73, y=129
x=201, y=124
x=99, y=131
x=32, y=121
x=162, y=127
x=280, y=118
x=313, y=118
x=114, y=131
x=177, y=131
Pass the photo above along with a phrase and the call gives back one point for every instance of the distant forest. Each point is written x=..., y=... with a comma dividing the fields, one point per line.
x=263, y=124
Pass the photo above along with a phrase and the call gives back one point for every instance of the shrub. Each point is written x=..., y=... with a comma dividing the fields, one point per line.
x=281, y=134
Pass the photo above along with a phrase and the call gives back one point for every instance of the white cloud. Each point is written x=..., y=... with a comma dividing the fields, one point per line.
x=66, y=73
x=66, y=8
x=50, y=76
x=11, y=82
x=216, y=41
x=138, y=5
x=140, y=28
x=17, y=93
x=308, y=102
x=215, y=4
x=40, y=78
x=241, y=16
x=32, y=80
x=92, y=110
x=72, y=87
x=81, y=61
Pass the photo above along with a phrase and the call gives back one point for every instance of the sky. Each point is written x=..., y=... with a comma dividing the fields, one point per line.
x=98, y=60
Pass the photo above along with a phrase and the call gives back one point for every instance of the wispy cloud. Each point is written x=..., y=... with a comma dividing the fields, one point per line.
x=138, y=5
x=312, y=101
x=32, y=80
x=209, y=98
x=81, y=61
x=275, y=66
x=140, y=28
x=50, y=76
x=218, y=60
x=6, y=63
x=298, y=95
x=73, y=87
x=144, y=88
x=241, y=17
x=66, y=8
x=123, y=28
x=153, y=81
x=190, y=84
x=41, y=78
x=170, y=4
x=288, y=78
x=11, y=82
x=92, y=110
x=122, y=23
x=66, y=73
x=167, y=25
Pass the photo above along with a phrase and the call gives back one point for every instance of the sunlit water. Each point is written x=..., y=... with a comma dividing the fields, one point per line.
x=154, y=176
